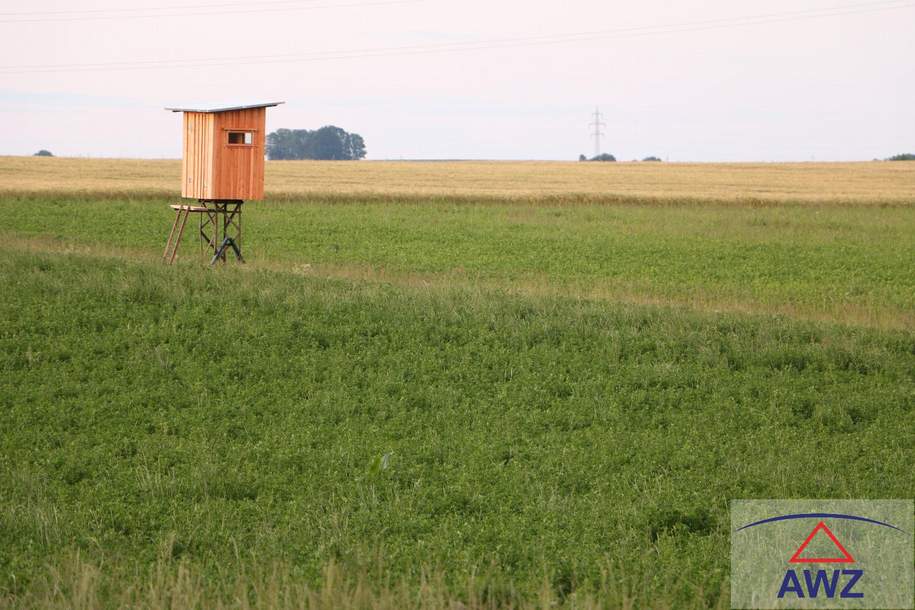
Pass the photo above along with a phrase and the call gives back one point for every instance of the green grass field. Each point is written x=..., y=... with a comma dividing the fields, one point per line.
x=836, y=263
x=450, y=402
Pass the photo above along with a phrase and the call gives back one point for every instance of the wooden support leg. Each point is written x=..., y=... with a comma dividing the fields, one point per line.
x=221, y=217
x=209, y=232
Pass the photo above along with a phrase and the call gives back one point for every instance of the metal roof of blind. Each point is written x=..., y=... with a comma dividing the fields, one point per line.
x=227, y=108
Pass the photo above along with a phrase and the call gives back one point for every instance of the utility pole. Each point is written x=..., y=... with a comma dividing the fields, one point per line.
x=597, y=124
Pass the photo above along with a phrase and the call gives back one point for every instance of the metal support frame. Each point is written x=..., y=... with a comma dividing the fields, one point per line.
x=219, y=229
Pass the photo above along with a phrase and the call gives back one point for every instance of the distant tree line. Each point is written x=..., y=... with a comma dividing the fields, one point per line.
x=600, y=157
x=327, y=143
x=609, y=157
x=902, y=157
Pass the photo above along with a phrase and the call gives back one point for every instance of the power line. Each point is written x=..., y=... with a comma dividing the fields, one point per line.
x=597, y=133
x=147, y=8
x=243, y=7
x=178, y=11
x=618, y=33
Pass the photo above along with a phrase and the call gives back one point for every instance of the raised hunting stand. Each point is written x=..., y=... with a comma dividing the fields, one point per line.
x=222, y=167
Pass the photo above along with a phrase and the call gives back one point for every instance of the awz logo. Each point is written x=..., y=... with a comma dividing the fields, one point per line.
x=821, y=581
x=813, y=584
x=822, y=554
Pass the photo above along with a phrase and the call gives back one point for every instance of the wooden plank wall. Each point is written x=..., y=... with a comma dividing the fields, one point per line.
x=239, y=169
x=198, y=156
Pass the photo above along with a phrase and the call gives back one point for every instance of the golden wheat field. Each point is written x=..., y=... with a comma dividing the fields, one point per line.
x=865, y=182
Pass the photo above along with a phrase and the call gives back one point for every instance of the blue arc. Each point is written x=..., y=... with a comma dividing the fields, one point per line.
x=819, y=516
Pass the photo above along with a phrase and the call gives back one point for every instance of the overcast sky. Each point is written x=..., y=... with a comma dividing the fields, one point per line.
x=685, y=80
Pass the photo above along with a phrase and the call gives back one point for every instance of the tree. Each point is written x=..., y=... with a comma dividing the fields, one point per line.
x=329, y=142
x=582, y=158
x=355, y=145
x=902, y=157
x=604, y=157
x=286, y=144
x=651, y=159
x=43, y=153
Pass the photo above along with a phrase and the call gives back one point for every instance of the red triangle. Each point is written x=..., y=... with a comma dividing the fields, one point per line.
x=846, y=556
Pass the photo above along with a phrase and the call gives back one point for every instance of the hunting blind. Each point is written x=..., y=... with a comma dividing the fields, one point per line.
x=222, y=166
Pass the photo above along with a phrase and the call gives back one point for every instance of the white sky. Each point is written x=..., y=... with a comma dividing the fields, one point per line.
x=828, y=88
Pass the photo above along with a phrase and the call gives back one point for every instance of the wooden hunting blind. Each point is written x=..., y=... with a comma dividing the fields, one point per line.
x=222, y=166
